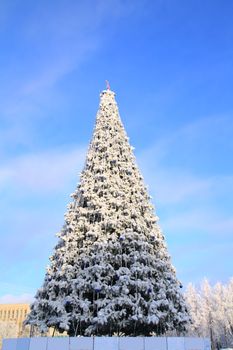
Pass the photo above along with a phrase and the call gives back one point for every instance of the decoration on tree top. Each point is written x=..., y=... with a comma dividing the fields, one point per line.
x=108, y=85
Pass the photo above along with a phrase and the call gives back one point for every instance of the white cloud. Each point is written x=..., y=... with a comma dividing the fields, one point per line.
x=57, y=67
x=171, y=185
x=61, y=38
x=16, y=299
x=175, y=184
x=175, y=187
x=207, y=221
x=42, y=172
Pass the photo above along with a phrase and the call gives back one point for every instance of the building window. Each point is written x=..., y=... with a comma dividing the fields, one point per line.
x=16, y=314
x=9, y=314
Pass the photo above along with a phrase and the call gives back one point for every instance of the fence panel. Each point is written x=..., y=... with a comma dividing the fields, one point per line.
x=39, y=343
x=156, y=343
x=109, y=343
x=191, y=343
x=81, y=343
x=23, y=344
x=131, y=343
x=175, y=343
x=58, y=343
x=207, y=344
x=9, y=344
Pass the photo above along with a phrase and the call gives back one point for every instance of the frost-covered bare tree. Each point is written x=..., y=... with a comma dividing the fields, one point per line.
x=211, y=310
x=110, y=272
x=8, y=330
x=194, y=303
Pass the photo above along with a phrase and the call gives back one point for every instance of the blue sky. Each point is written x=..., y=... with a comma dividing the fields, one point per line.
x=170, y=64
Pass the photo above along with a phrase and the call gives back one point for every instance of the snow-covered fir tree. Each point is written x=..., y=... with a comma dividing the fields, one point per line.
x=110, y=272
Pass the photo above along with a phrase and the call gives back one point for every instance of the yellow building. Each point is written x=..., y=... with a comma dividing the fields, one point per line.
x=11, y=322
x=14, y=315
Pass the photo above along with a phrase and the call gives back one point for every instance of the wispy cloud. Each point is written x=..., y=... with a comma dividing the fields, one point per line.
x=16, y=299
x=183, y=179
x=207, y=221
x=60, y=39
x=42, y=172
x=178, y=186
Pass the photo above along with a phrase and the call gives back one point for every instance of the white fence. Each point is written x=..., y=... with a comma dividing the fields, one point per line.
x=107, y=343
